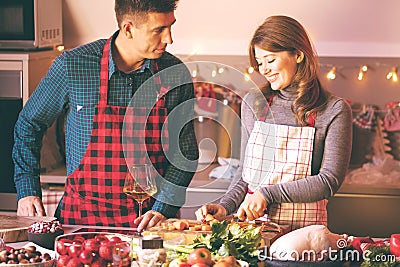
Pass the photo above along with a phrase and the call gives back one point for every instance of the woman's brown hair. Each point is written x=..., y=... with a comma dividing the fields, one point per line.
x=282, y=33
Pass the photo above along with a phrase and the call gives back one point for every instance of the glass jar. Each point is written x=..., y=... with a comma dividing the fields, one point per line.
x=151, y=252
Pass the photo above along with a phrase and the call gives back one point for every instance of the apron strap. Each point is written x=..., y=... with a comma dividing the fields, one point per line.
x=104, y=73
x=161, y=91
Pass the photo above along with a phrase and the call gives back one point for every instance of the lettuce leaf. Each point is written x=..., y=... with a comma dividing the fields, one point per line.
x=232, y=240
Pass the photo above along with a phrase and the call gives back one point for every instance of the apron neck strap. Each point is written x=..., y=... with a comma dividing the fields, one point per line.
x=104, y=73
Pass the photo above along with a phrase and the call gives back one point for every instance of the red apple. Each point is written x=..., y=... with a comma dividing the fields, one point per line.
x=99, y=263
x=106, y=251
x=100, y=238
x=74, y=262
x=78, y=239
x=60, y=246
x=74, y=250
x=92, y=245
x=115, y=239
x=86, y=257
x=63, y=260
x=200, y=255
x=229, y=261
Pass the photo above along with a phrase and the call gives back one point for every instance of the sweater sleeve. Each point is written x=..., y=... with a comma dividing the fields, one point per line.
x=335, y=147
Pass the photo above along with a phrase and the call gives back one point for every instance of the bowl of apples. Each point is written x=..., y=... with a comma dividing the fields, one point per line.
x=93, y=249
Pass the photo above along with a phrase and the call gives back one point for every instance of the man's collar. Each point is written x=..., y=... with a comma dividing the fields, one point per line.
x=147, y=64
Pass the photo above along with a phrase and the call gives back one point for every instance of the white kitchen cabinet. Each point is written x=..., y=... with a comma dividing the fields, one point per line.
x=33, y=65
x=20, y=73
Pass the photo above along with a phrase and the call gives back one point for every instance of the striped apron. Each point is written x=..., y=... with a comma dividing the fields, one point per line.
x=94, y=191
x=278, y=154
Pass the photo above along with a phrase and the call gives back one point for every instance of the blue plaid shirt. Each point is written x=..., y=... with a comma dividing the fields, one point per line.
x=72, y=83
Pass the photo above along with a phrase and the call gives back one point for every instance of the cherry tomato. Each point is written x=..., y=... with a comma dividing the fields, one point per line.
x=395, y=245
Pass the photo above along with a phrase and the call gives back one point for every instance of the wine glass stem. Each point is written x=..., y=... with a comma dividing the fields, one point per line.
x=140, y=208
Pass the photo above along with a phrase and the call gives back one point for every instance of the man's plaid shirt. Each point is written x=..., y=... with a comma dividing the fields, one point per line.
x=72, y=82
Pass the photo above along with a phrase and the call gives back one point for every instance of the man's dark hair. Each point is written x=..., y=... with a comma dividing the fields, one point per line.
x=137, y=9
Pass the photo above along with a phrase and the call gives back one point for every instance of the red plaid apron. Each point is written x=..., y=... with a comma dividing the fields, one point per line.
x=279, y=154
x=94, y=191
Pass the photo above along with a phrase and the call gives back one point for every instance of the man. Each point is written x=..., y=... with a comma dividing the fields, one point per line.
x=95, y=83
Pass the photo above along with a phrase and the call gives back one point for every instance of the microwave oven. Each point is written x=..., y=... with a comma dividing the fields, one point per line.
x=30, y=24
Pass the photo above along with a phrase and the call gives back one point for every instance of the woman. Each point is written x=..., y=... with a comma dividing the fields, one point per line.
x=299, y=146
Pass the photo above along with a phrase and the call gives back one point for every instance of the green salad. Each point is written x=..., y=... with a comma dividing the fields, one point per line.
x=226, y=240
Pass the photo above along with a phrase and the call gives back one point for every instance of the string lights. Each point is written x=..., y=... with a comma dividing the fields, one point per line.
x=195, y=71
x=332, y=71
x=392, y=75
x=335, y=70
x=361, y=72
x=331, y=75
x=214, y=72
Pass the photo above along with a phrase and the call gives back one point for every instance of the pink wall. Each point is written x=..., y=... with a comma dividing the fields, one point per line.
x=223, y=27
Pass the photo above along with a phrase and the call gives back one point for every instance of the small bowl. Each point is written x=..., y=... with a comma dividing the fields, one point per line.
x=45, y=240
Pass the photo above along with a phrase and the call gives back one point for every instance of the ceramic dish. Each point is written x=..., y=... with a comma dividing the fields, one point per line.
x=45, y=240
x=37, y=264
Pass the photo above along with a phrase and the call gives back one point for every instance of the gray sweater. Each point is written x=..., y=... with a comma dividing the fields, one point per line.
x=331, y=154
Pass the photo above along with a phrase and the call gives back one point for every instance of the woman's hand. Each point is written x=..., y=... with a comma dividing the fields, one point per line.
x=214, y=209
x=252, y=207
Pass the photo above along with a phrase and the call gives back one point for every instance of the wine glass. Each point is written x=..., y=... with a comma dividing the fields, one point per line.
x=140, y=183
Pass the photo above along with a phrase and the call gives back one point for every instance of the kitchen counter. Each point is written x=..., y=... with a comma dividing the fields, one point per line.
x=201, y=190
x=365, y=210
x=359, y=210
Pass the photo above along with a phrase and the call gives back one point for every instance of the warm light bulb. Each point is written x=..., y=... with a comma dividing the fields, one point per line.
x=221, y=70
x=225, y=102
x=362, y=71
x=250, y=70
x=247, y=77
x=360, y=75
x=395, y=78
x=392, y=75
x=195, y=71
x=331, y=75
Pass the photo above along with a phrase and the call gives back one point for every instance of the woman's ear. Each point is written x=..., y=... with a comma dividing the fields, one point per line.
x=300, y=57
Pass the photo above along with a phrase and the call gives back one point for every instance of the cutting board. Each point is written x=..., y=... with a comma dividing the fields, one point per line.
x=186, y=237
x=14, y=228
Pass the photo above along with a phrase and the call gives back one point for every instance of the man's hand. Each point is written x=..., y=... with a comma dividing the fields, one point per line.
x=30, y=206
x=149, y=219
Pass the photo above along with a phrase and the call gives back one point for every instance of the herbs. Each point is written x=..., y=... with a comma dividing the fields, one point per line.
x=232, y=240
x=379, y=256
